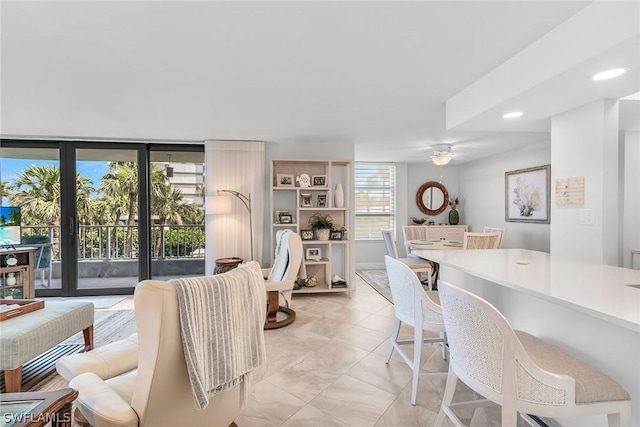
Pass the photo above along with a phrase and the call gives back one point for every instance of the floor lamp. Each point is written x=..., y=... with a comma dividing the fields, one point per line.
x=222, y=205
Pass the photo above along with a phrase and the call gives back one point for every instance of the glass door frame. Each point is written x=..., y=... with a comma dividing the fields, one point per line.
x=68, y=206
x=69, y=215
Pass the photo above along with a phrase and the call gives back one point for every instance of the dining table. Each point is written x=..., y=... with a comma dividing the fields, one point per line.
x=425, y=245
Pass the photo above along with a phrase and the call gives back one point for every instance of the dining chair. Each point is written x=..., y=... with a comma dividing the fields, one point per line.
x=417, y=265
x=502, y=232
x=413, y=232
x=481, y=240
x=418, y=309
x=518, y=371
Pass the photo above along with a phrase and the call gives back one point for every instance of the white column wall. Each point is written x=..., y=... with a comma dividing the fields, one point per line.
x=631, y=210
x=239, y=166
x=584, y=142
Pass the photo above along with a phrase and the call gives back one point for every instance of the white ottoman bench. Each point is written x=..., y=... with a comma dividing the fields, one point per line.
x=25, y=337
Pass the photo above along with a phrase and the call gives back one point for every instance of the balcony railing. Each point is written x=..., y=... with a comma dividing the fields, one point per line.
x=110, y=241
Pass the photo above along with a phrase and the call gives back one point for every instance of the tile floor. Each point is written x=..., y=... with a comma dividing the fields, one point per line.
x=328, y=369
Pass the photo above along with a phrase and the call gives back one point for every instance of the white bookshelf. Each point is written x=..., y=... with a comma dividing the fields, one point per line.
x=336, y=256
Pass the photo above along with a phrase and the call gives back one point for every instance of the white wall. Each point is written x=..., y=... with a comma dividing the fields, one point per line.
x=631, y=191
x=482, y=196
x=584, y=142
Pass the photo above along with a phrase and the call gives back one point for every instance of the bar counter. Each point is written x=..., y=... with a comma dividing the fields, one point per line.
x=591, y=310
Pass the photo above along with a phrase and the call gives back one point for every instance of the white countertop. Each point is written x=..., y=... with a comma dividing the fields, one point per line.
x=598, y=290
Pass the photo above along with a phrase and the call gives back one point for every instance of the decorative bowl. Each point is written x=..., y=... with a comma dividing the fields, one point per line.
x=418, y=220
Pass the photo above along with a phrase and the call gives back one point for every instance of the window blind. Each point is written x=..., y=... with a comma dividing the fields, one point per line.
x=375, y=203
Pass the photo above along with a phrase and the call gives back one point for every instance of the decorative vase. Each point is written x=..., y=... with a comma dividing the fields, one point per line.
x=338, y=197
x=454, y=217
x=322, y=234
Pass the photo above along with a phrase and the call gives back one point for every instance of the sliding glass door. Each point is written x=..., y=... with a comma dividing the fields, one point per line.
x=106, y=215
x=106, y=226
x=30, y=180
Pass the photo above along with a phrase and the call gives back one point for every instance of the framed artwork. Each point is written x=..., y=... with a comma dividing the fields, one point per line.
x=305, y=200
x=286, y=219
x=277, y=214
x=321, y=201
x=528, y=195
x=313, y=254
x=306, y=234
x=335, y=235
x=284, y=180
x=319, y=180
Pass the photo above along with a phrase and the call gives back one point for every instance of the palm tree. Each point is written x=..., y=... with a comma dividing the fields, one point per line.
x=120, y=186
x=37, y=191
x=166, y=203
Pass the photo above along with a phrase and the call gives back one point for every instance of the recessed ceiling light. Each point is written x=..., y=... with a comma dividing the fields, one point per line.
x=609, y=74
x=513, y=115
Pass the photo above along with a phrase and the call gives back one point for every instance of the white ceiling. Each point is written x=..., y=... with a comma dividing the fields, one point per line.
x=385, y=76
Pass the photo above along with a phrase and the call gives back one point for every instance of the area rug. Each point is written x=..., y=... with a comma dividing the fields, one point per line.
x=108, y=326
x=378, y=280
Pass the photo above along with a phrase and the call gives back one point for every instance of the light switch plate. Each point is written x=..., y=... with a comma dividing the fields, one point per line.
x=586, y=217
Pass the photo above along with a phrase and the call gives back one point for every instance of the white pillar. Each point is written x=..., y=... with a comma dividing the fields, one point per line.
x=238, y=166
x=584, y=142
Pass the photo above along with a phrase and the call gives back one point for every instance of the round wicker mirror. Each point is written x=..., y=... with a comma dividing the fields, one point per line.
x=432, y=198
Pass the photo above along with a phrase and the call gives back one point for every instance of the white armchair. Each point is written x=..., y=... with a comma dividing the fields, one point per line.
x=281, y=278
x=159, y=393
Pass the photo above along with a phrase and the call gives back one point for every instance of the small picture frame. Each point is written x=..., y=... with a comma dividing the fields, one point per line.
x=307, y=234
x=277, y=214
x=313, y=254
x=305, y=200
x=319, y=180
x=285, y=180
x=321, y=201
x=286, y=219
x=335, y=235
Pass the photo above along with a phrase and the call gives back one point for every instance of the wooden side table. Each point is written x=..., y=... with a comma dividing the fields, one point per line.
x=225, y=264
x=37, y=409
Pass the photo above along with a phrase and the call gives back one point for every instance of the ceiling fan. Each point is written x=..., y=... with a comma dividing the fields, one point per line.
x=442, y=154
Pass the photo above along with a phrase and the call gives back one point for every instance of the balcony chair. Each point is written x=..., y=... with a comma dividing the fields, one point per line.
x=518, y=371
x=419, y=309
x=180, y=364
x=502, y=232
x=281, y=278
x=417, y=265
x=481, y=240
x=43, y=255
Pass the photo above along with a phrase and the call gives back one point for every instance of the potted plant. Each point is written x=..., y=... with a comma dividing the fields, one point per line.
x=322, y=224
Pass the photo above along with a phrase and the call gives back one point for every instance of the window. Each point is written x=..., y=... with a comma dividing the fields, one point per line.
x=375, y=185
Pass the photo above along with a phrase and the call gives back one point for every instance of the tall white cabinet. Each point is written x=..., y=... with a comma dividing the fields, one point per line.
x=302, y=188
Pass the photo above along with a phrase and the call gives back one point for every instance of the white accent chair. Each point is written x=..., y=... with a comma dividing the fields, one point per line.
x=281, y=278
x=418, y=265
x=419, y=309
x=502, y=232
x=518, y=371
x=481, y=240
x=159, y=392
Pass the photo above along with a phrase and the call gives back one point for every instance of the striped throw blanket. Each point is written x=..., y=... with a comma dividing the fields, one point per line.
x=222, y=323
